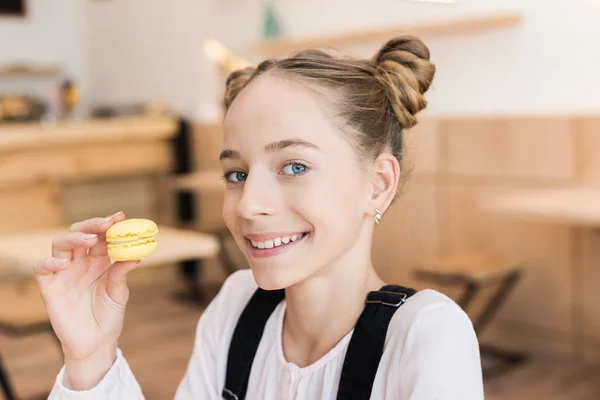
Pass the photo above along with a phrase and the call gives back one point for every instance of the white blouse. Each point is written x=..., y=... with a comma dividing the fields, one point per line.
x=431, y=352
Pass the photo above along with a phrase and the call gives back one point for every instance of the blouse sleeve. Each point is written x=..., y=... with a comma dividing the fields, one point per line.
x=118, y=384
x=441, y=357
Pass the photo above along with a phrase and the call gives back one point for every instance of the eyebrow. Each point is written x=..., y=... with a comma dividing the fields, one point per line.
x=271, y=147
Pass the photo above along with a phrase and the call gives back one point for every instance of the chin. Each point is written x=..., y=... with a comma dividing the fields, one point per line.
x=271, y=280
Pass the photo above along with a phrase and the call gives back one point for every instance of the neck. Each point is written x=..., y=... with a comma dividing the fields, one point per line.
x=324, y=308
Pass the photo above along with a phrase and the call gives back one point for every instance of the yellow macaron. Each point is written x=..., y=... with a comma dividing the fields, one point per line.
x=132, y=239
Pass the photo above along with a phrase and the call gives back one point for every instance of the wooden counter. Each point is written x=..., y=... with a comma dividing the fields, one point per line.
x=29, y=136
x=41, y=165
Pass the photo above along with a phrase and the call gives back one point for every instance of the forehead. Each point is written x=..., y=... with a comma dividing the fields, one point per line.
x=273, y=108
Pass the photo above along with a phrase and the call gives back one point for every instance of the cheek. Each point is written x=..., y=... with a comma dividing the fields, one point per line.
x=330, y=208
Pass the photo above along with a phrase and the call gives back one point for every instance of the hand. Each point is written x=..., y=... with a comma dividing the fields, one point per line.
x=85, y=296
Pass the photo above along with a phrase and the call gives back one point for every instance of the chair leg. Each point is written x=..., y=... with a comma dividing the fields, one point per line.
x=7, y=388
x=497, y=300
x=468, y=295
x=510, y=359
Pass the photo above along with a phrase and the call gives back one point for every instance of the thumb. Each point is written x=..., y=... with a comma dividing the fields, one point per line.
x=116, y=285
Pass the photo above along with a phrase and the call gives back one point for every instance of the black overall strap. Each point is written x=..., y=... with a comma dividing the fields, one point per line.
x=245, y=341
x=366, y=345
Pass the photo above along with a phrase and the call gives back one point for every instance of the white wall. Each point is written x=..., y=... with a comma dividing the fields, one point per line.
x=53, y=32
x=142, y=49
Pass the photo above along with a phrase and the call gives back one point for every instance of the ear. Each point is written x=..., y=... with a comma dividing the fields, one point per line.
x=385, y=180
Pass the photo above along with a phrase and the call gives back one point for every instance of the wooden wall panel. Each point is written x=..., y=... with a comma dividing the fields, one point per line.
x=540, y=149
x=542, y=248
x=422, y=148
x=588, y=150
x=207, y=143
x=510, y=149
x=407, y=233
x=475, y=147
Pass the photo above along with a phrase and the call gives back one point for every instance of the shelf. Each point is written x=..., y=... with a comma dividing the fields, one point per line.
x=473, y=24
x=30, y=72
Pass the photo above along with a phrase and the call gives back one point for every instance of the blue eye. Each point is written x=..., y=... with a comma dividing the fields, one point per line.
x=235, y=176
x=294, y=168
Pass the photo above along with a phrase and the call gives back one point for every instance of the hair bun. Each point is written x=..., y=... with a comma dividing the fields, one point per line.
x=404, y=70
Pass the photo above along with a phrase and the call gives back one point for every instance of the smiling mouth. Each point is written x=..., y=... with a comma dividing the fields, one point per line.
x=276, y=242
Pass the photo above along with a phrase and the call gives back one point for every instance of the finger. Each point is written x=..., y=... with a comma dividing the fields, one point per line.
x=72, y=245
x=97, y=225
x=116, y=286
x=45, y=268
x=99, y=249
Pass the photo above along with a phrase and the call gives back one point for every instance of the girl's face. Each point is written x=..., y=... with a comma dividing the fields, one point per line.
x=296, y=199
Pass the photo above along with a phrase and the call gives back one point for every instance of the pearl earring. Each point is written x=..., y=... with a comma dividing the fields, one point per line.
x=378, y=216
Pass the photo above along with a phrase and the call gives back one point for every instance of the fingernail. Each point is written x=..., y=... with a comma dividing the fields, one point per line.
x=116, y=214
x=105, y=220
x=61, y=261
x=89, y=236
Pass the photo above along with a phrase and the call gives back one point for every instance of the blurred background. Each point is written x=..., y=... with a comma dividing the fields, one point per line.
x=109, y=105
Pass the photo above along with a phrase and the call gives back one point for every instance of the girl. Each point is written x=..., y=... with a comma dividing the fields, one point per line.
x=313, y=157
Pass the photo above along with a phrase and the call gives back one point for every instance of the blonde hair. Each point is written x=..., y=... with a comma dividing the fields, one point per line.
x=373, y=100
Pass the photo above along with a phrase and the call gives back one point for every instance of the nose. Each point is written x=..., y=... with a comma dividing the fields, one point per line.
x=258, y=197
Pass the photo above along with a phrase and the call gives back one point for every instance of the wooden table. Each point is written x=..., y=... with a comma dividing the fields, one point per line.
x=577, y=206
x=20, y=251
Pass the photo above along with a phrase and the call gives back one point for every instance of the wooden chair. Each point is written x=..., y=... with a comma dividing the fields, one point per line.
x=22, y=311
x=474, y=272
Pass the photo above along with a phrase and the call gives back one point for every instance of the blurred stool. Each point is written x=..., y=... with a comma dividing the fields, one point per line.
x=475, y=272
x=22, y=313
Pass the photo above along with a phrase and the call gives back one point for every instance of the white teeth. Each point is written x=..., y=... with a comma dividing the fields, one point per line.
x=278, y=241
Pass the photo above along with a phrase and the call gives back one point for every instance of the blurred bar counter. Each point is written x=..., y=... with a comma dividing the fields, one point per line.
x=54, y=174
